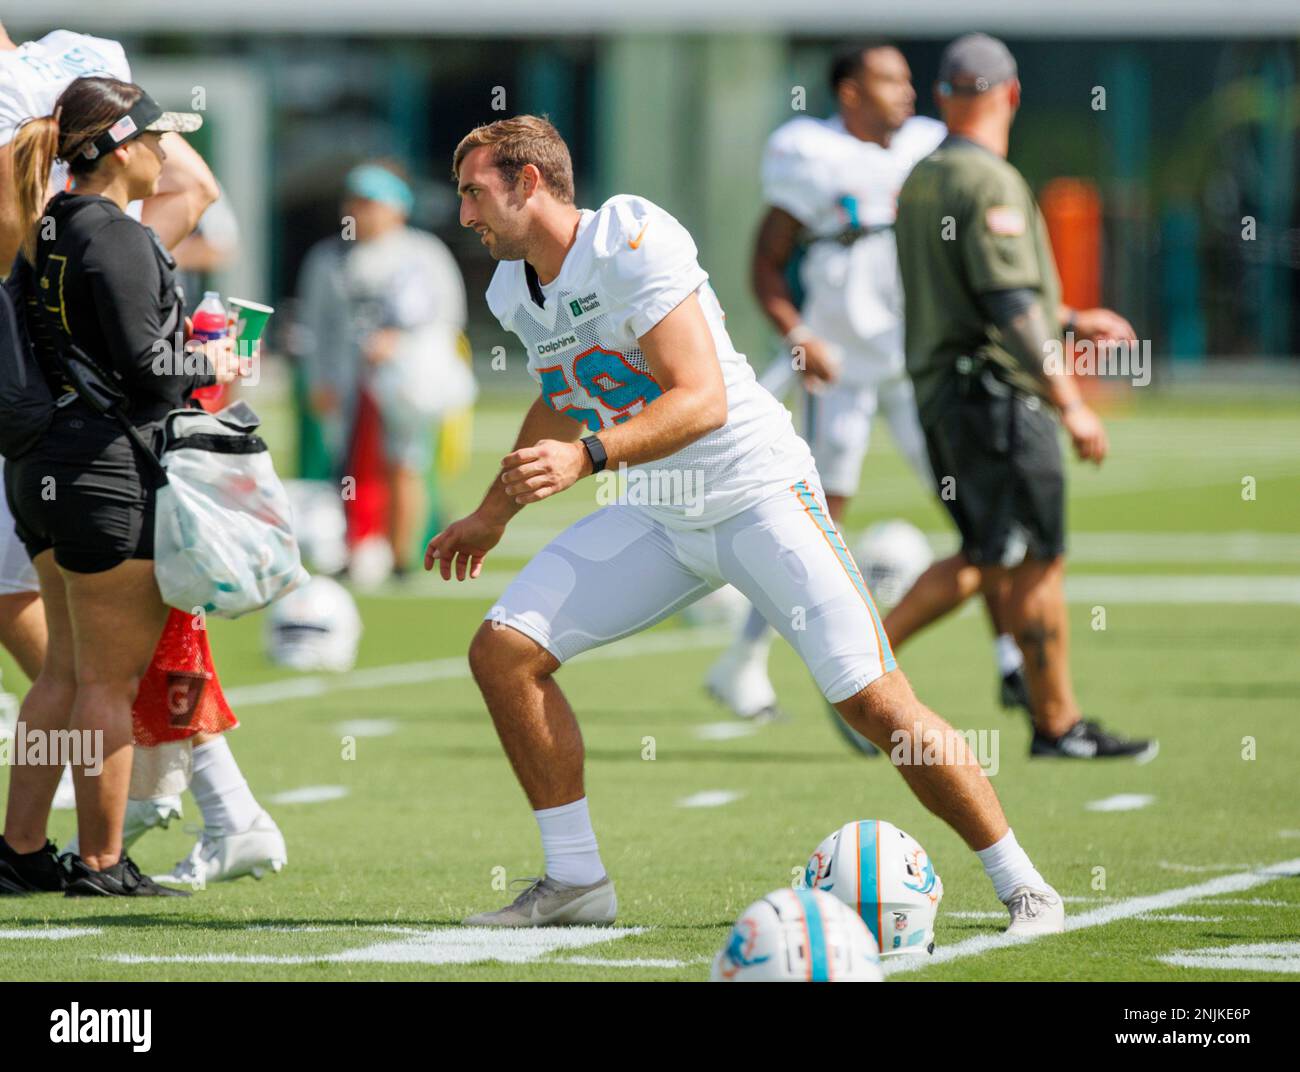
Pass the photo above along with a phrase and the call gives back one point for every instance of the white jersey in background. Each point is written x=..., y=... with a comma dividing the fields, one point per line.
x=630, y=265
x=34, y=74
x=844, y=191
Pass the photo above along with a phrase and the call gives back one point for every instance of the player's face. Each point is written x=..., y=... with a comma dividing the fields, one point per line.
x=144, y=163
x=492, y=208
x=373, y=218
x=885, y=88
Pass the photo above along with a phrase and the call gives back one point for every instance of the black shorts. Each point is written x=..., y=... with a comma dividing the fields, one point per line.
x=1007, y=488
x=82, y=492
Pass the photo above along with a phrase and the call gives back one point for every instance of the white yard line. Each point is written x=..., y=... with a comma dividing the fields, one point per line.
x=710, y=798
x=1121, y=802
x=1111, y=913
x=436, y=945
x=297, y=688
x=1109, y=588
x=310, y=794
x=1281, y=957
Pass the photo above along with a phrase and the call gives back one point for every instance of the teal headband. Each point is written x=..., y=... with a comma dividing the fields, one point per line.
x=375, y=183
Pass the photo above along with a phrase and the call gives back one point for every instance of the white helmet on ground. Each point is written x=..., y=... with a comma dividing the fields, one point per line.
x=884, y=876
x=797, y=936
x=891, y=556
x=315, y=627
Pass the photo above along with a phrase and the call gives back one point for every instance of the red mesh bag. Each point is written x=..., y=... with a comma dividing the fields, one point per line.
x=179, y=694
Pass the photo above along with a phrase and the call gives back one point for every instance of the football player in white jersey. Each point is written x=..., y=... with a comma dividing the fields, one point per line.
x=831, y=188
x=32, y=75
x=625, y=337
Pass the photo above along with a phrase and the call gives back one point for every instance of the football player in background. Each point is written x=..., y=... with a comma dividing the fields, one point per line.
x=831, y=187
x=625, y=335
x=238, y=835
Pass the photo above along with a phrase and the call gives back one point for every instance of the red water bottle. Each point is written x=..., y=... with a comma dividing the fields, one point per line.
x=209, y=322
x=209, y=318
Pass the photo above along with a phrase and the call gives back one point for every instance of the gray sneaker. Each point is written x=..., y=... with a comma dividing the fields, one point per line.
x=547, y=903
x=1035, y=912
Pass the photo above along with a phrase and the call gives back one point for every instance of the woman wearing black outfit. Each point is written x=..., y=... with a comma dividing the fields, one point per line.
x=83, y=497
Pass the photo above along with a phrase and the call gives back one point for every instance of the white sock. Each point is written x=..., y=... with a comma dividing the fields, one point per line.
x=569, y=844
x=219, y=789
x=1007, y=653
x=1007, y=867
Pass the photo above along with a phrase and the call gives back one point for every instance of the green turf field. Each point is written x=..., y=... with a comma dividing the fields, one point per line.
x=1201, y=593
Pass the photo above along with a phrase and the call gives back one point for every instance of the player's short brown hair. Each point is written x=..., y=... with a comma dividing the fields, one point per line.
x=525, y=139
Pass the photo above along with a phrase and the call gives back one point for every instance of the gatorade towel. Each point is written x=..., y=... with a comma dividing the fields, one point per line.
x=179, y=694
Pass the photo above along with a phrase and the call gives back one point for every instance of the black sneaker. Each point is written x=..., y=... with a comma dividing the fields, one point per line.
x=1087, y=740
x=1014, y=692
x=123, y=879
x=42, y=871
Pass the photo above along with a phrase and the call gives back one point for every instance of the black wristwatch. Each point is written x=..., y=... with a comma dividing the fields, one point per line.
x=596, y=452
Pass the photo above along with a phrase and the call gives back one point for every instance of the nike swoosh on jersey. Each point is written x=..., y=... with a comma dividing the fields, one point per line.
x=635, y=243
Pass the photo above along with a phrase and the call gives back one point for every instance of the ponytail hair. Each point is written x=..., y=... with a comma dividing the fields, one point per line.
x=84, y=110
x=35, y=146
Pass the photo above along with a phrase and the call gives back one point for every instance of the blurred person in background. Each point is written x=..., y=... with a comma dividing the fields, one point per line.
x=983, y=318
x=382, y=309
x=825, y=273
x=210, y=247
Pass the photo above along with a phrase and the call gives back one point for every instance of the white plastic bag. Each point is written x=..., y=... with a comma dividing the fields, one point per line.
x=223, y=534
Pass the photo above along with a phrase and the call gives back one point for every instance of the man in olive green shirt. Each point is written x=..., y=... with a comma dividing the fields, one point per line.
x=983, y=324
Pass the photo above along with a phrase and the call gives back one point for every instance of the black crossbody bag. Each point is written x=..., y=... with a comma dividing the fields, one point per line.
x=27, y=405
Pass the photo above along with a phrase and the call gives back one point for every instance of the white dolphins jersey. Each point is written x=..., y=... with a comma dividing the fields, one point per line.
x=844, y=191
x=630, y=265
x=34, y=74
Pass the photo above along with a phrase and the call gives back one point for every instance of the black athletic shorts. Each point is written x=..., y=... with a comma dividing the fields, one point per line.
x=1007, y=495
x=82, y=491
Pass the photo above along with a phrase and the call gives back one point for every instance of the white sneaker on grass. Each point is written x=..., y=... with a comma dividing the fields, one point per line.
x=220, y=857
x=1035, y=911
x=740, y=683
x=547, y=903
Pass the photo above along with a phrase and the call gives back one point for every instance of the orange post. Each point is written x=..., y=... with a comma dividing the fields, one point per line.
x=1072, y=209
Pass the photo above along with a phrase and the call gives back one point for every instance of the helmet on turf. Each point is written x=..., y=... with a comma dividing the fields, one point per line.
x=797, y=936
x=315, y=627
x=884, y=876
x=891, y=556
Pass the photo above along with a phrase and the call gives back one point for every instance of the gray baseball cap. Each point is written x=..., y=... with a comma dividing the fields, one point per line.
x=975, y=63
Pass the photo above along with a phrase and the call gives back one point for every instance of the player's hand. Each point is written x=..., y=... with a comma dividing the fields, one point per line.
x=221, y=356
x=1086, y=432
x=534, y=473
x=1102, y=325
x=463, y=544
x=818, y=361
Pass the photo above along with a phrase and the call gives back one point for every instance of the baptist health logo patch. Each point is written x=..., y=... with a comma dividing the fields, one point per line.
x=583, y=305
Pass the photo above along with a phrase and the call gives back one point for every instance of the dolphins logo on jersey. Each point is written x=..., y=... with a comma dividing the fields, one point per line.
x=740, y=948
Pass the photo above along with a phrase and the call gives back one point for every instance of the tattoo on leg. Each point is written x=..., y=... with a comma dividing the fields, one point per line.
x=1034, y=639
